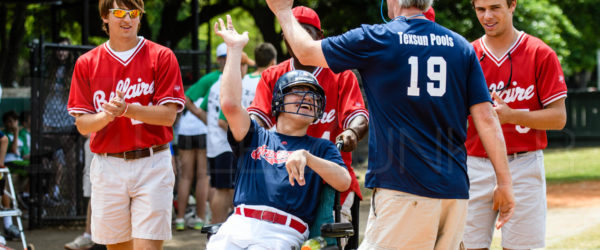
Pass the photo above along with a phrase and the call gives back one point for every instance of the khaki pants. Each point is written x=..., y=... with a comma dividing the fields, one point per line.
x=399, y=220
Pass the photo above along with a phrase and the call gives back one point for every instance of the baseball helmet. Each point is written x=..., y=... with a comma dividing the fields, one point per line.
x=296, y=78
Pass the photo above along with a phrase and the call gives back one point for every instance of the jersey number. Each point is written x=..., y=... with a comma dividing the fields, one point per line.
x=439, y=75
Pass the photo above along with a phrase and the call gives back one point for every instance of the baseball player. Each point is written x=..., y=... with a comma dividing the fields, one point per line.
x=221, y=161
x=527, y=84
x=421, y=82
x=345, y=117
x=280, y=173
x=191, y=142
x=126, y=93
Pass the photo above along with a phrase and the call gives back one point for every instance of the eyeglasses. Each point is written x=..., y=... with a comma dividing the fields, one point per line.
x=506, y=85
x=120, y=13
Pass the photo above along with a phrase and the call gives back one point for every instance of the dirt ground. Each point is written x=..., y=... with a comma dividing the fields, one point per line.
x=573, y=207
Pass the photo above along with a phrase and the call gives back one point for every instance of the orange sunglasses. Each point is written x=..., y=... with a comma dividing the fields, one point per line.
x=120, y=13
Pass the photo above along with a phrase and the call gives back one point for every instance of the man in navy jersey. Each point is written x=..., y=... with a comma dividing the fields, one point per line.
x=279, y=174
x=421, y=81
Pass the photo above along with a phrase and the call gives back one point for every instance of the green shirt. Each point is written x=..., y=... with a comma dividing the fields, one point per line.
x=201, y=87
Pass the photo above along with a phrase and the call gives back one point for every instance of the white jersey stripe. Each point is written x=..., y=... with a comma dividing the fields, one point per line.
x=554, y=98
x=130, y=58
x=499, y=61
x=263, y=116
x=355, y=114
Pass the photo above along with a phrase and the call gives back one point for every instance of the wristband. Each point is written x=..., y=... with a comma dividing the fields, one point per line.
x=353, y=131
x=124, y=111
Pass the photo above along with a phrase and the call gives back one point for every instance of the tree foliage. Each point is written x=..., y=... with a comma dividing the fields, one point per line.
x=569, y=27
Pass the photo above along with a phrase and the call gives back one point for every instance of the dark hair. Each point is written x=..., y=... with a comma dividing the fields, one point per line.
x=24, y=115
x=508, y=2
x=264, y=53
x=105, y=5
x=9, y=115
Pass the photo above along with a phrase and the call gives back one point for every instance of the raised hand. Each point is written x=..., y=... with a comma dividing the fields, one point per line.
x=231, y=37
x=295, y=165
x=277, y=6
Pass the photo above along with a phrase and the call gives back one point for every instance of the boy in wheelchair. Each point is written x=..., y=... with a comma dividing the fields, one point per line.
x=279, y=174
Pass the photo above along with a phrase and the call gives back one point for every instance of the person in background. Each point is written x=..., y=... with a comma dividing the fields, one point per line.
x=191, y=145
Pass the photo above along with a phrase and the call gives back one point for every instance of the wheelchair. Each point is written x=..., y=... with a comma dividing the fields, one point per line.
x=327, y=224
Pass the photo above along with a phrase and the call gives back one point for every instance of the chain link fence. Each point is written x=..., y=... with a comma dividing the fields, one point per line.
x=57, y=151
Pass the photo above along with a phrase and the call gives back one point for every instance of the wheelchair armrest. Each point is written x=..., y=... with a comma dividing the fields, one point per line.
x=337, y=230
x=211, y=229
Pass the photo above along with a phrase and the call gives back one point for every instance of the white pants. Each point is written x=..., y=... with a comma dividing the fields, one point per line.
x=240, y=232
x=527, y=227
x=131, y=199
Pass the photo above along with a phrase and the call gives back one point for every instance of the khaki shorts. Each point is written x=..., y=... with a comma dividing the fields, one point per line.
x=399, y=220
x=131, y=199
x=527, y=227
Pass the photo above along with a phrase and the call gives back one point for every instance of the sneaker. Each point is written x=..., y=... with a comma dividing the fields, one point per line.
x=80, y=243
x=12, y=232
x=195, y=223
x=179, y=224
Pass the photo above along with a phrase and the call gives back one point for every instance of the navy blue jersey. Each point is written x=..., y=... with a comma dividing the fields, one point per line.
x=261, y=177
x=420, y=80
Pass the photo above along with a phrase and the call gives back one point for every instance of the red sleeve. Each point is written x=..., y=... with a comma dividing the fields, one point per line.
x=551, y=80
x=168, y=84
x=261, y=105
x=350, y=102
x=80, y=95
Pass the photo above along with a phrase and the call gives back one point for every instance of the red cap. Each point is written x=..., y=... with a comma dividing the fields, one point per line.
x=307, y=15
x=430, y=14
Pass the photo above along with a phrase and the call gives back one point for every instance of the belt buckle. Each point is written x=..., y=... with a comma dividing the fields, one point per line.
x=262, y=214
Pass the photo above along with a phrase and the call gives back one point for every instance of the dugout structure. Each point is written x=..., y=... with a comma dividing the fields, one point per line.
x=57, y=154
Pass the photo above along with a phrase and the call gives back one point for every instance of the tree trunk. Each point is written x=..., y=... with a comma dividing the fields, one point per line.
x=2, y=37
x=17, y=32
x=265, y=21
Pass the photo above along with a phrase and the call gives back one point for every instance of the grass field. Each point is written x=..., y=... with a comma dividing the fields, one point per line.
x=562, y=165
x=572, y=165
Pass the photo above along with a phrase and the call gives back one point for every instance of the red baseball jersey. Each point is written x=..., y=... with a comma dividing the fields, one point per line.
x=344, y=101
x=537, y=80
x=150, y=76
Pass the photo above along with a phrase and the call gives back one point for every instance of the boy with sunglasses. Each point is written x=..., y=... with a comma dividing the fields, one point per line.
x=279, y=174
x=528, y=87
x=127, y=93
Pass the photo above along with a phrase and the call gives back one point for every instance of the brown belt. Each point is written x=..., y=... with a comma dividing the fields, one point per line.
x=138, y=153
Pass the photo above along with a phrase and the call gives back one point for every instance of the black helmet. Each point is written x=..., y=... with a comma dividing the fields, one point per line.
x=298, y=78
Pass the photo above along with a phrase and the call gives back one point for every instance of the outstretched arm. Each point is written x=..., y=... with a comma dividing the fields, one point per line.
x=490, y=132
x=307, y=50
x=231, y=81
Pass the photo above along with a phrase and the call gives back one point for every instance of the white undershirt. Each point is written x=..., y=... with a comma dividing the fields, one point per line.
x=125, y=55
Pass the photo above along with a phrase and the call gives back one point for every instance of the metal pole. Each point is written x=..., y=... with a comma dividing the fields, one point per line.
x=85, y=29
x=195, y=42
x=598, y=70
x=208, y=49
